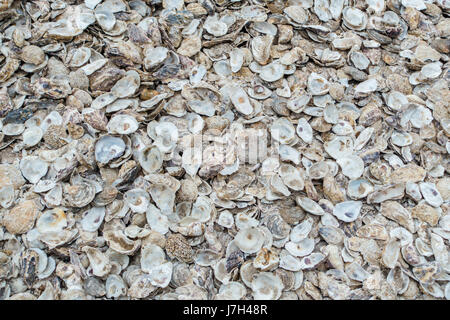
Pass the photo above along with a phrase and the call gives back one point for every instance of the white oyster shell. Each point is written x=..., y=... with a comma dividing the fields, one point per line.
x=347, y=211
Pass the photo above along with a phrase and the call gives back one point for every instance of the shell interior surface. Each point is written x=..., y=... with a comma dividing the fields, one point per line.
x=224, y=150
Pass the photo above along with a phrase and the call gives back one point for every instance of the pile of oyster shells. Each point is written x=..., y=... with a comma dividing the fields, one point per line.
x=103, y=194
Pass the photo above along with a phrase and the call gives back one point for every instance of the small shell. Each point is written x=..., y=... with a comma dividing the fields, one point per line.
x=343, y=128
x=431, y=194
x=366, y=87
x=249, y=240
x=196, y=123
x=21, y=217
x=109, y=148
x=93, y=219
x=291, y=177
x=105, y=18
x=301, y=231
x=298, y=104
x=236, y=59
x=272, y=72
x=178, y=247
x=80, y=56
x=137, y=200
x=352, y=166
x=33, y=168
x=287, y=153
x=32, y=136
x=122, y=124
x=297, y=14
x=260, y=47
x=283, y=131
x=151, y=256
x=266, y=259
x=347, y=211
x=391, y=253
x=310, y=206
x=156, y=220
x=13, y=129
x=240, y=100
x=354, y=18
x=317, y=85
x=304, y=130
x=231, y=291
x=301, y=248
x=99, y=262
x=311, y=261
x=119, y=242
x=164, y=197
x=115, y=286
x=401, y=139
x=51, y=221
x=387, y=192
x=214, y=26
x=201, y=209
x=225, y=219
x=7, y=196
x=266, y=286
x=288, y=262
x=358, y=189
x=339, y=147
x=150, y=159
x=155, y=57
x=103, y=100
x=277, y=226
x=127, y=86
